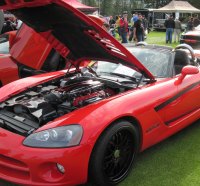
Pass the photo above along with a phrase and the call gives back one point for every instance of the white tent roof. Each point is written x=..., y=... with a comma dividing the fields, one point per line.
x=178, y=6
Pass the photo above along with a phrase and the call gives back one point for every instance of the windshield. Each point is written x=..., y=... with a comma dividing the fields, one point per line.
x=4, y=45
x=156, y=62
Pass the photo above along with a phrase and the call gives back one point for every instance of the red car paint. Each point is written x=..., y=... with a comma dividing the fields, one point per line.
x=159, y=108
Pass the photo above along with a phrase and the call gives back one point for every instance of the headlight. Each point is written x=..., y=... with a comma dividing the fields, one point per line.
x=65, y=136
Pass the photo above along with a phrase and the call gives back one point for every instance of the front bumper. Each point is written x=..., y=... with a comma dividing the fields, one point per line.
x=37, y=166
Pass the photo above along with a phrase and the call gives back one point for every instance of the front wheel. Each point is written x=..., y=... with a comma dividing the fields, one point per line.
x=114, y=153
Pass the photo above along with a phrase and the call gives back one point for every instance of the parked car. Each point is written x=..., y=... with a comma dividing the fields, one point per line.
x=68, y=126
x=25, y=53
x=192, y=37
x=159, y=25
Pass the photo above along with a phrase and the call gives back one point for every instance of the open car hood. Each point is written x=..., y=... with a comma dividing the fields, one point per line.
x=71, y=32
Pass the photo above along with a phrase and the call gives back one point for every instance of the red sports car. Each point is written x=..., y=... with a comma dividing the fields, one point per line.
x=80, y=124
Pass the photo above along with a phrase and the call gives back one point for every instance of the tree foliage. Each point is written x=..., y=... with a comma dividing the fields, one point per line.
x=116, y=7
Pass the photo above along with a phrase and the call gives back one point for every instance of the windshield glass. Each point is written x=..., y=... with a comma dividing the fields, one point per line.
x=4, y=45
x=156, y=62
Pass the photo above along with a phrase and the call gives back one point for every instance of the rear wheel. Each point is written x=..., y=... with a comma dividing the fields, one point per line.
x=114, y=153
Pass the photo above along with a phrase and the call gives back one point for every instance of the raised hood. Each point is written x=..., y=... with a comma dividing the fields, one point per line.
x=68, y=29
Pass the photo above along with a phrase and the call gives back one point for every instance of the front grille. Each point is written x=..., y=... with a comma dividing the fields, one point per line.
x=17, y=124
x=17, y=169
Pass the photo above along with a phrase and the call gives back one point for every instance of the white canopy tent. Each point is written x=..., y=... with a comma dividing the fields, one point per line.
x=178, y=6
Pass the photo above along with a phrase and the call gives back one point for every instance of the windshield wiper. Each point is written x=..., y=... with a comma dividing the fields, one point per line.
x=121, y=75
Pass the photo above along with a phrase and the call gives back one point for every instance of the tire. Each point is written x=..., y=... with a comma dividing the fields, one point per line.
x=114, y=154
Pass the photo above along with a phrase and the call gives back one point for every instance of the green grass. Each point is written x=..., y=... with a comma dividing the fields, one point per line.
x=155, y=37
x=158, y=38
x=173, y=162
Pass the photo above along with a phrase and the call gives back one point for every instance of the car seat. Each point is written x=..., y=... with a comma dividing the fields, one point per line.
x=181, y=60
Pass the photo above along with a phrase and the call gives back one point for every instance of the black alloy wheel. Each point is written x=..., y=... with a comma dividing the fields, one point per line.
x=114, y=154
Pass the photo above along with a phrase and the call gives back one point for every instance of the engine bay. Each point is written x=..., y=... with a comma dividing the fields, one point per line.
x=33, y=108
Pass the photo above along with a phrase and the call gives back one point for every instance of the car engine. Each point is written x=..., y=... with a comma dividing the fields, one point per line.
x=33, y=108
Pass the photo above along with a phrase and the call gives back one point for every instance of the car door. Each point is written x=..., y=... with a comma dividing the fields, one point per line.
x=188, y=98
x=182, y=103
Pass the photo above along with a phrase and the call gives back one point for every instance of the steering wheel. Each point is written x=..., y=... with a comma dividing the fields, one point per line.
x=189, y=48
x=141, y=43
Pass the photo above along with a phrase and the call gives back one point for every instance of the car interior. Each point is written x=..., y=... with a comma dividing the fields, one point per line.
x=181, y=60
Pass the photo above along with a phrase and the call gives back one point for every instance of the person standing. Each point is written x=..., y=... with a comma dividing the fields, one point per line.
x=133, y=20
x=169, y=24
x=117, y=24
x=112, y=26
x=124, y=28
x=190, y=24
x=196, y=21
x=145, y=24
x=177, y=30
x=138, y=32
x=1, y=20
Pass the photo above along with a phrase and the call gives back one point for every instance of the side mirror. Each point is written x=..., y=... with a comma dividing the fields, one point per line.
x=187, y=70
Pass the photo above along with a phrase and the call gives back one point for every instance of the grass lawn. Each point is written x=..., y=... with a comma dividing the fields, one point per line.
x=158, y=38
x=155, y=37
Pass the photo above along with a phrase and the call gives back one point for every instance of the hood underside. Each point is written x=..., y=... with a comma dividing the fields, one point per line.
x=71, y=32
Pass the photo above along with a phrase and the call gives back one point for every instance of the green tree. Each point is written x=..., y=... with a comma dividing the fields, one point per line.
x=106, y=7
x=195, y=3
x=90, y=2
